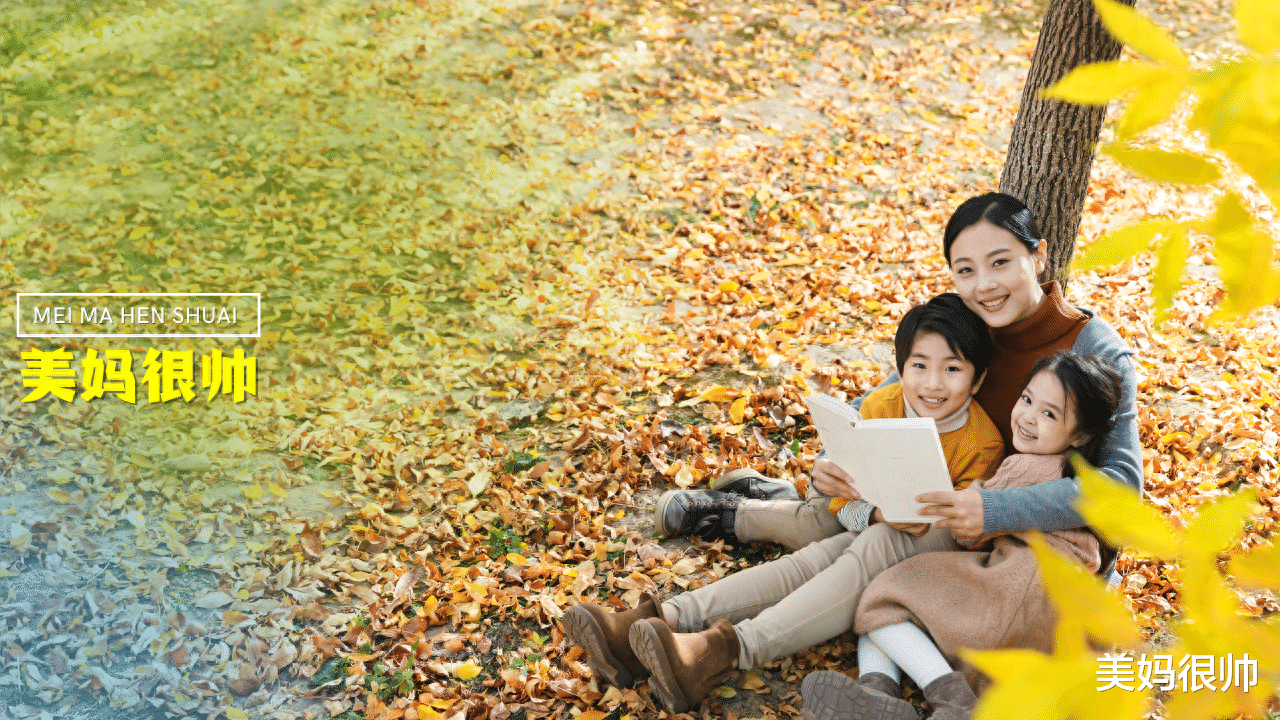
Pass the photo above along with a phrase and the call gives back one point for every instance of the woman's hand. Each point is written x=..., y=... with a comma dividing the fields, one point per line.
x=830, y=480
x=960, y=511
x=914, y=529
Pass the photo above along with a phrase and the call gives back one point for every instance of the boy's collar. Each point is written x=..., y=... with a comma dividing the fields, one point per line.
x=950, y=423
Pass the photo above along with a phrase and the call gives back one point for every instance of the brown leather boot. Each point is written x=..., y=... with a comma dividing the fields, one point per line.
x=951, y=697
x=604, y=635
x=836, y=696
x=685, y=666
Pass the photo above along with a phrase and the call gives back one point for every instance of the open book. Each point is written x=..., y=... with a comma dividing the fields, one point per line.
x=891, y=461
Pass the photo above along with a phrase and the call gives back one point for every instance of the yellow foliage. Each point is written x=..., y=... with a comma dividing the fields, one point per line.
x=1068, y=682
x=1237, y=111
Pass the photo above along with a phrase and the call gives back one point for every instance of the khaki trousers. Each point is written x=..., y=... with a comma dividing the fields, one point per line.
x=792, y=523
x=801, y=599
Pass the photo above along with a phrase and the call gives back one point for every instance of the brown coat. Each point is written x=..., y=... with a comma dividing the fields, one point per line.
x=986, y=600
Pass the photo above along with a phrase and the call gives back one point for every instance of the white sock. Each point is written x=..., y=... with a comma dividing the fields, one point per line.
x=911, y=649
x=872, y=659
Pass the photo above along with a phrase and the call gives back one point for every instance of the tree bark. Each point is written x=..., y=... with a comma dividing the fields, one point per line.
x=1051, y=148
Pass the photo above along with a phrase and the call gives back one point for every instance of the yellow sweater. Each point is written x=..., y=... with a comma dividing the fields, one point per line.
x=973, y=451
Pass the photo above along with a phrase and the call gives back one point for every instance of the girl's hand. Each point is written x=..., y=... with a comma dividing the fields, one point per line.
x=830, y=480
x=960, y=511
x=913, y=529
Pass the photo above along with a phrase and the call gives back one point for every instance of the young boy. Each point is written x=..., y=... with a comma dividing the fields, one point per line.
x=942, y=349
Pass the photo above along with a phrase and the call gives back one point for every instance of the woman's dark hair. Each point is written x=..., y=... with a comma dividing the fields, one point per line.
x=966, y=334
x=1093, y=386
x=1003, y=211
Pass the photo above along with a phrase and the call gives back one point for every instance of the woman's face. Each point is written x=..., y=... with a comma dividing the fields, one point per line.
x=995, y=275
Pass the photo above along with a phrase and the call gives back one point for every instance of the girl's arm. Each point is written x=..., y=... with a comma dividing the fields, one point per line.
x=1050, y=506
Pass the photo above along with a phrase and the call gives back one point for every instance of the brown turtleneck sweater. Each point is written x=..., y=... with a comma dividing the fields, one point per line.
x=1018, y=347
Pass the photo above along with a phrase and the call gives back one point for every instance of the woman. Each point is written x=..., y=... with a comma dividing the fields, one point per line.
x=749, y=618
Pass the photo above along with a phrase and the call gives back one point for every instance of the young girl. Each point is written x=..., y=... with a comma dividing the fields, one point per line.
x=916, y=615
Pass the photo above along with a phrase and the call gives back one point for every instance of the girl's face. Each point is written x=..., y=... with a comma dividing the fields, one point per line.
x=935, y=380
x=995, y=275
x=1044, y=420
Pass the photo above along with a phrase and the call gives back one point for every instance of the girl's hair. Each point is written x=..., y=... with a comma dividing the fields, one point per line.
x=1093, y=386
x=966, y=334
x=1003, y=211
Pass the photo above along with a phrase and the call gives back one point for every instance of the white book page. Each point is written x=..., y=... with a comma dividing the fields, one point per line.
x=835, y=421
x=903, y=459
x=891, y=460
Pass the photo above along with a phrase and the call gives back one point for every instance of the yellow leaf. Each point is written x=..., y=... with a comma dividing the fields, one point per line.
x=1152, y=103
x=466, y=671
x=1205, y=704
x=1082, y=598
x=426, y=713
x=728, y=286
x=1167, y=274
x=7, y=573
x=1120, y=516
x=517, y=559
x=1230, y=215
x=737, y=409
x=399, y=305
x=234, y=617
x=1122, y=244
x=1032, y=685
x=138, y=232
x=719, y=393
x=60, y=496
x=1259, y=24
x=255, y=546
x=1248, y=275
x=751, y=680
x=253, y=493
x=1139, y=33
x=1166, y=166
x=1008, y=697
x=593, y=715
x=235, y=714
x=1258, y=568
x=1217, y=525
x=1100, y=83
x=276, y=490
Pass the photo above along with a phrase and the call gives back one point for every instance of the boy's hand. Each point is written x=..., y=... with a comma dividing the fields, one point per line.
x=913, y=529
x=830, y=480
x=961, y=511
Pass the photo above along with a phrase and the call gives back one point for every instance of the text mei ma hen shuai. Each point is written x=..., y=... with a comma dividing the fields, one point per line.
x=168, y=375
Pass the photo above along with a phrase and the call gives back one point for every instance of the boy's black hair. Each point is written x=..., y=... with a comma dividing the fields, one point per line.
x=966, y=334
x=1093, y=387
x=1003, y=211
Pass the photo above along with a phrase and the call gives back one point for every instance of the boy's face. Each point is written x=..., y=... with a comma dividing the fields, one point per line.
x=935, y=380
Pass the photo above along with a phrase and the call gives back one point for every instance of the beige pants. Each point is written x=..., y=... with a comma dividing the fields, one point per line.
x=792, y=523
x=801, y=599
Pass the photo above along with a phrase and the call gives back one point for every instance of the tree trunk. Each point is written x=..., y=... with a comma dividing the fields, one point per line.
x=1051, y=149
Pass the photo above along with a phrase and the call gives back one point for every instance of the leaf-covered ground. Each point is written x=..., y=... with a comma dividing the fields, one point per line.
x=524, y=267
